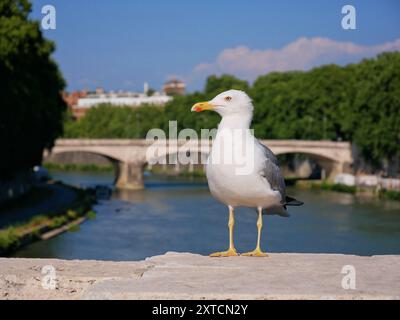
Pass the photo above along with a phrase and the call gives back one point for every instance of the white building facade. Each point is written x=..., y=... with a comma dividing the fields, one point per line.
x=123, y=100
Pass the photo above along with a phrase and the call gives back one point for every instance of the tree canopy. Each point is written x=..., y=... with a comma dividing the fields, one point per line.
x=106, y=121
x=374, y=120
x=31, y=107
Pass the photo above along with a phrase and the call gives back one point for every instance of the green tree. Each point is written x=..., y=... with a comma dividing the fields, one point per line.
x=215, y=85
x=273, y=95
x=375, y=120
x=31, y=106
x=106, y=121
x=150, y=92
x=302, y=105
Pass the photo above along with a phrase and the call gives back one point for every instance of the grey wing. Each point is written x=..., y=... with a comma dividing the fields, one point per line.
x=271, y=171
x=268, y=153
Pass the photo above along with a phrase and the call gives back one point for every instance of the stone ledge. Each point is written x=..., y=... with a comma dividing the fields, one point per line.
x=192, y=276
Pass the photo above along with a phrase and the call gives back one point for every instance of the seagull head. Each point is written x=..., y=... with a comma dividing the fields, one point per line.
x=226, y=103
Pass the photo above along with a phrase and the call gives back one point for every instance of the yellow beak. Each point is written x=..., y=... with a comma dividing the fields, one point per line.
x=201, y=106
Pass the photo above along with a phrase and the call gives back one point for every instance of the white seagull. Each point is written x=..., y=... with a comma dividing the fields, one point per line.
x=255, y=182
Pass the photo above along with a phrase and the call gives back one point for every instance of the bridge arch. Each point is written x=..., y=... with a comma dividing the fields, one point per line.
x=124, y=172
x=316, y=155
x=328, y=165
x=108, y=155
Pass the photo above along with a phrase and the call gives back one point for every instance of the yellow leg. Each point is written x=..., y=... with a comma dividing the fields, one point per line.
x=257, y=251
x=231, y=251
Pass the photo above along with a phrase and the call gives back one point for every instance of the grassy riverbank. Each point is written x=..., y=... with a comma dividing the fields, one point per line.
x=21, y=233
x=324, y=185
x=389, y=194
x=91, y=167
x=78, y=167
x=196, y=173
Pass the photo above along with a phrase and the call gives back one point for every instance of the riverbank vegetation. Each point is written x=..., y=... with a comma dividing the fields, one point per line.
x=14, y=236
x=324, y=185
x=195, y=172
x=79, y=167
x=357, y=103
x=389, y=194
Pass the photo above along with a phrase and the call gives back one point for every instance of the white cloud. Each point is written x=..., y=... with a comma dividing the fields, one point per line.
x=302, y=54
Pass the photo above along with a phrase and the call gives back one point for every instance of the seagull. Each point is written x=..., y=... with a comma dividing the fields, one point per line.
x=255, y=182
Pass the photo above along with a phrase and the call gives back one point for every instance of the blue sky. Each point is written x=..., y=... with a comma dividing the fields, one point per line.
x=120, y=44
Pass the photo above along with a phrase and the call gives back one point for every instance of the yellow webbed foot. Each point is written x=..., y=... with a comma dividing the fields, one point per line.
x=255, y=253
x=228, y=253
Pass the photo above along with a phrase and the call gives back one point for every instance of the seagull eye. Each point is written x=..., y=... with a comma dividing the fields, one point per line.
x=228, y=98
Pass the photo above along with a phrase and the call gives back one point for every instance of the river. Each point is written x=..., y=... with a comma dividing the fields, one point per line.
x=179, y=214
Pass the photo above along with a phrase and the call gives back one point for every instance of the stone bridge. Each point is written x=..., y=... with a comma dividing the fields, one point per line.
x=131, y=156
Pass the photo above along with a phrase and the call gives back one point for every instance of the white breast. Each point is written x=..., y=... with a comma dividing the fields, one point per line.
x=233, y=173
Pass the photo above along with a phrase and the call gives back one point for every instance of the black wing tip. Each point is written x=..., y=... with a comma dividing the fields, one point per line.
x=289, y=201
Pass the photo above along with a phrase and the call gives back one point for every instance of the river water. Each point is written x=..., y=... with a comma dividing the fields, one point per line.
x=179, y=214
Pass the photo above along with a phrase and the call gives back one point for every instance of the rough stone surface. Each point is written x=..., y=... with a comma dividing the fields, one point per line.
x=191, y=276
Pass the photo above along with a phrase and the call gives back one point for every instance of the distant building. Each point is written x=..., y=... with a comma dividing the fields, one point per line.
x=174, y=87
x=71, y=99
x=99, y=90
x=123, y=99
x=80, y=102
